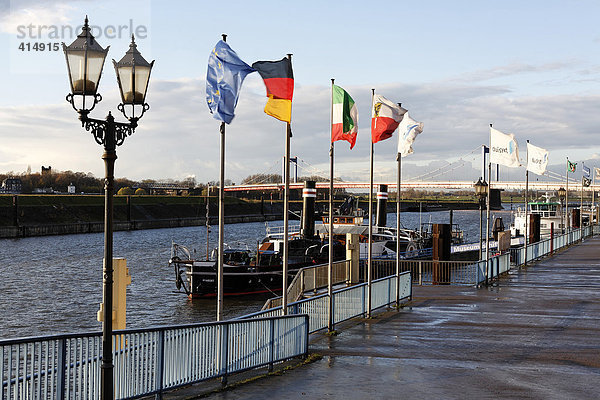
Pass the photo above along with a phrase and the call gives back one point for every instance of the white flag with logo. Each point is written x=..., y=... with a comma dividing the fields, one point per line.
x=503, y=149
x=597, y=173
x=408, y=130
x=537, y=159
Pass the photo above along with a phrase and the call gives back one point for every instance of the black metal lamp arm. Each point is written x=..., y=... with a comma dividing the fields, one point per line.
x=108, y=132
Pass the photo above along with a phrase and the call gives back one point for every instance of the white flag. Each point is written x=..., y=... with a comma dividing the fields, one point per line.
x=597, y=173
x=503, y=149
x=407, y=133
x=537, y=159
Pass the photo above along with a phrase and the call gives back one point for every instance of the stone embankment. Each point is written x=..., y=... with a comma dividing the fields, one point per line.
x=30, y=215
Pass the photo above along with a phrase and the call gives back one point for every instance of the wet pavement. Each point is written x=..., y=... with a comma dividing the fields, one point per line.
x=534, y=335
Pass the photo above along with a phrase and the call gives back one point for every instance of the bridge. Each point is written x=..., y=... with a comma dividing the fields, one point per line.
x=465, y=185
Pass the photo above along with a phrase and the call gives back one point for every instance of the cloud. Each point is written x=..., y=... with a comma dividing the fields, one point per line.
x=178, y=137
x=513, y=69
x=38, y=13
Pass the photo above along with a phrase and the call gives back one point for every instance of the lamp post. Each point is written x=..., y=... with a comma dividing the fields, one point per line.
x=481, y=190
x=85, y=61
x=561, y=194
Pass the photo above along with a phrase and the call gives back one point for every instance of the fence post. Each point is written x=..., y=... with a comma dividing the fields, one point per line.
x=160, y=364
x=420, y=273
x=224, y=353
x=332, y=298
x=61, y=368
x=498, y=267
x=363, y=301
x=390, y=297
x=271, y=344
x=307, y=322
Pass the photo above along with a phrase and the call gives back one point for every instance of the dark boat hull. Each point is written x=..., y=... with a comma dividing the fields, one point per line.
x=203, y=282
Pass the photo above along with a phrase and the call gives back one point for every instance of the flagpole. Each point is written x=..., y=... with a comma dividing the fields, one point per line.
x=207, y=222
x=526, y=208
x=221, y=228
x=487, y=224
x=592, y=208
x=286, y=210
x=399, y=177
x=581, y=202
x=398, y=183
x=221, y=222
x=330, y=266
x=567, y=197
x=369, y=258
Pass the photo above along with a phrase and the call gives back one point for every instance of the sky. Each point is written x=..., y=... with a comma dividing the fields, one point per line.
x=531, y=68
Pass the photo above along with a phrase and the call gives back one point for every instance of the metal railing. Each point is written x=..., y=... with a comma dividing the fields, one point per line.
x=497, y=266
x=147, y=361
x=523, y=255
x=348, y=302
x=404, y=255
x=312, y=278
x=428, y=272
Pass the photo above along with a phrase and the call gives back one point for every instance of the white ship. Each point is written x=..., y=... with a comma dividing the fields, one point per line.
x=550, y=212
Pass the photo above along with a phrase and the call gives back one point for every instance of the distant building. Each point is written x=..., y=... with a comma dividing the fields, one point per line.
x=46, y=170
x=12, y=186
x=71, y=189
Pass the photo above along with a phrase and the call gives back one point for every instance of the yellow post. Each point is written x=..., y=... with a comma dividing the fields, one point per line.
x=352, y=254
x=121, y=279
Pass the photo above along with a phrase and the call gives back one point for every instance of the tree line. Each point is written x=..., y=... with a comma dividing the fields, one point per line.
x=58, y=181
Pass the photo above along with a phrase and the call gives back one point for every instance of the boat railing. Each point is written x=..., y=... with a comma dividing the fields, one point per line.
x=278, y=231
x=180, y=252
x=312, y=278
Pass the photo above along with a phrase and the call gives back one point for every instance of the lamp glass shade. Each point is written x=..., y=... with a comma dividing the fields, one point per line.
x=133, y=83
x=481, y=188
x=85, y=60
x=133, y=74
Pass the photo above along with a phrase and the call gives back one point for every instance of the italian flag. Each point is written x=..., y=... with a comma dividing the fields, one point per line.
x=344, y=124
x=385, y=118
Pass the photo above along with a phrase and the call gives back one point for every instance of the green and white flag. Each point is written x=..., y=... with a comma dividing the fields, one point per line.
x=344, y=124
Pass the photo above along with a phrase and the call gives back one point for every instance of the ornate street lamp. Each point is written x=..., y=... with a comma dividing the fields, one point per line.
x=561, y=194
x=133, y=75
x=85, y=60
x=481, y=190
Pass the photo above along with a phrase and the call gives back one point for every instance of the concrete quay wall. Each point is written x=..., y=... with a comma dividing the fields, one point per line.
x=8, y=232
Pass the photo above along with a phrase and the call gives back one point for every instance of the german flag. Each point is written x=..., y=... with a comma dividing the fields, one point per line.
x=279, y=80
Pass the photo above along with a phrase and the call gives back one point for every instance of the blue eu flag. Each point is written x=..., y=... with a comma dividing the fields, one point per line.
x=226, y=72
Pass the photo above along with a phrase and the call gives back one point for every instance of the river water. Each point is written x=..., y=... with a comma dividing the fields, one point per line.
x=53, y=284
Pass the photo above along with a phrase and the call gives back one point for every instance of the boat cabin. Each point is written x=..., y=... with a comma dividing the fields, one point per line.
x=544, y=209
